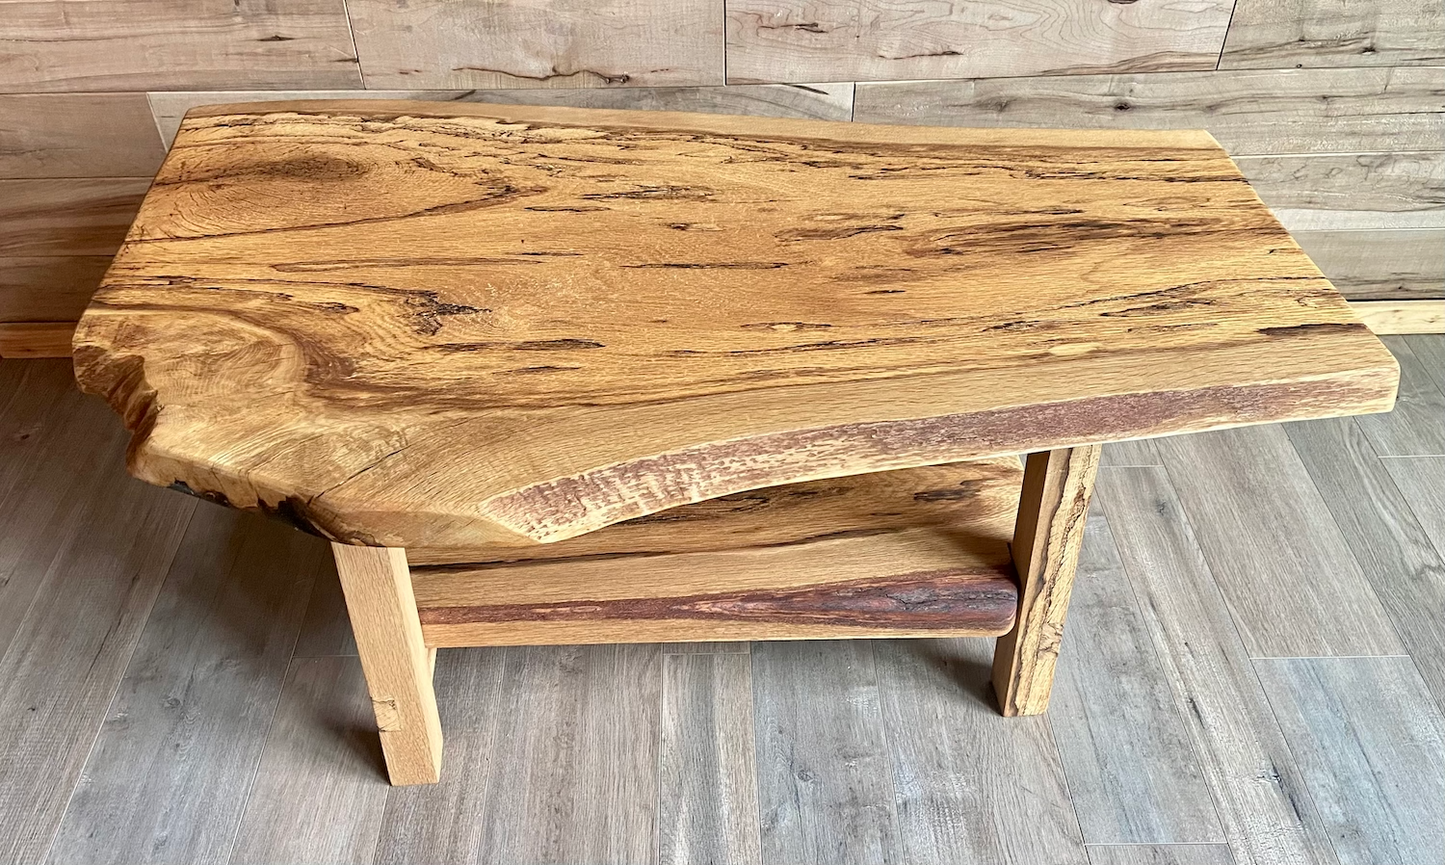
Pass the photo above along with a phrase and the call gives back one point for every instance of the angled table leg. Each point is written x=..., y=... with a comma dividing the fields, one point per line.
x=1047, y=539
x=397, y=664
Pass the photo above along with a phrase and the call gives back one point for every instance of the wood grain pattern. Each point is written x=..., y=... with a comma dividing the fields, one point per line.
x=1417, y=425
x=1389, y=540
x=1258, y=534
x=1379, y=265
x=1351, y=190
x=877, y=40
x=973, y=504
x=217, y=643
x=538, y=43
x=137, y=45
x=1133, y=775
x=825, y=790
x=974, y=328
x=48, y=288
x=707, y=789
x=398, y=666
x=316, y=798
x=1371, y=746
x=818, y=101
x=1160, y=854
x=970, y=785
x=1273, y=34
x=1401, y=316
x=554, y=759
x=88, y=602
x=1266, y=812
x=1046, y=543
x=35, y=339
x=77, y=135
x=1249, y=112
x=55, y=217
x=901, y=584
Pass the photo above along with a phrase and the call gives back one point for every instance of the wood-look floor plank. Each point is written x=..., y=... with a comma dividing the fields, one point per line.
x=1429, y=349
x=1267, y=815
x=1371, y=745
x=790, y=40
x=320, y=791
x=1276, y=34
x=197, y=698
x=59, y=448
x=707, y=780
x=1390, y=541
x=1249, y=112
x=1131, y=768
x=1154, y=854
x=444, y=822
x=326, y=630
x=1273, y=548
x=1380, y=265
x=1422, y=482
x=1417, y=425
x=77, y=135
x=972, y=785
x=825, y=791
x=735, y=647
x=1140, y=452
x=572, y=43
x=564, y=770
x=70, y=649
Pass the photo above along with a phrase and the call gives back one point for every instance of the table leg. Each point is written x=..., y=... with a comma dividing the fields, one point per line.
x=397, y=664
x=1047, y=539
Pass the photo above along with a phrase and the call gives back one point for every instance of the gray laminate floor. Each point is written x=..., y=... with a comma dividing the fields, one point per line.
x=1254, y=672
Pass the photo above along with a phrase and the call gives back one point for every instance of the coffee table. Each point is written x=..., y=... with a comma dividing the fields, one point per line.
x=547, y=375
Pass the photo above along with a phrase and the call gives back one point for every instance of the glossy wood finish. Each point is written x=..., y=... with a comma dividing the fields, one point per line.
x=884, y=368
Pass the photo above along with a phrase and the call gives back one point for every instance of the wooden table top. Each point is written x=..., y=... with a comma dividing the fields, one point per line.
x=419, y=324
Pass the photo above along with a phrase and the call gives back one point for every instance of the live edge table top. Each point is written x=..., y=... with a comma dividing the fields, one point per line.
x=414, y=324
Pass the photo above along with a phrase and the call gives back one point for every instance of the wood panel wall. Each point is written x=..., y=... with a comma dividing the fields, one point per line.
x=1335, y=109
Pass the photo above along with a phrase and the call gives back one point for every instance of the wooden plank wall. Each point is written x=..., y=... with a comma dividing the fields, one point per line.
x=1335, y=109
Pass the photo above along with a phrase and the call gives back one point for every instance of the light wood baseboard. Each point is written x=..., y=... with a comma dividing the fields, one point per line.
x=35, y=338
x=1401, y=316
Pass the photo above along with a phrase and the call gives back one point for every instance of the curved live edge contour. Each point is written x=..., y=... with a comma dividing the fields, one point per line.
x=462, y=326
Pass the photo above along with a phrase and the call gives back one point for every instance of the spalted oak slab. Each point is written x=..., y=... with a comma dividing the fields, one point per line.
x=915, y=552
x=456, y=326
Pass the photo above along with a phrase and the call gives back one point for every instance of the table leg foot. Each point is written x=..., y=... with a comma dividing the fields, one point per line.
x=397, y=664
x=1047, y=539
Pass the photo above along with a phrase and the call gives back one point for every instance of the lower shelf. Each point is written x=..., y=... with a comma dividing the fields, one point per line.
x=921, y=552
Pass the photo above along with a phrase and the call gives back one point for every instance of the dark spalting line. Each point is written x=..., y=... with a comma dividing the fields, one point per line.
x=521, y=345
x=924, y=600
x=324, y=265
x=963, y=492
x=1315, y=327
x=839, y=233
x=509, y=557
x=427, y=310
x=562, y=209
x=707, y=265
x=829, y=345
x=533, y=370
x=785, y=325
